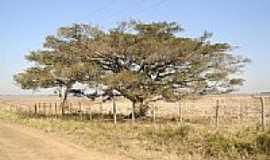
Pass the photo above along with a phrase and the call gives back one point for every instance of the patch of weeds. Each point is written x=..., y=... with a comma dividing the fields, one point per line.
x=199, y=120
x=263, y=143
x=218, y=144
x=244, y=147
x=167, y=134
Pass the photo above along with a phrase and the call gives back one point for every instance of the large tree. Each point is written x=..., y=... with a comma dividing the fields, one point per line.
x=143, y=61
x=140, y=61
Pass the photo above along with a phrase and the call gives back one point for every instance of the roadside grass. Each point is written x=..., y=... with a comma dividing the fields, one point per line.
x=160, y=141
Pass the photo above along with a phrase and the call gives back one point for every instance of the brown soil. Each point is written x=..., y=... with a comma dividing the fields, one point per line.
x=20, y=143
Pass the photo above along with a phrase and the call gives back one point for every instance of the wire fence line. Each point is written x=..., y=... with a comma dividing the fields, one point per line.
x=214, y=110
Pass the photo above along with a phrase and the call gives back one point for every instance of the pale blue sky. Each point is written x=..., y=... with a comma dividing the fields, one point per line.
x=244, y=23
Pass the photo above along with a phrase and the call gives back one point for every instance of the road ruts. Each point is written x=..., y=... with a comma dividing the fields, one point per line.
x=21, y=143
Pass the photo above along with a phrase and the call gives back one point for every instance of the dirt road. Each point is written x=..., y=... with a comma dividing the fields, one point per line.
x=21, y=143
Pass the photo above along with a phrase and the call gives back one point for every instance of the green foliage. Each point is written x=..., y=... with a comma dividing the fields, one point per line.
x=171, y=66
x=218, y=144
x=34, y=78
x=58, y=63
x=168, y=134
x=141, y=61
x=263, y=143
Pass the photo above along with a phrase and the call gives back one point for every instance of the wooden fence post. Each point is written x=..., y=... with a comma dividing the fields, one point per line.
x=101, y=110
x=35, y=109
x=240, y=113
x=39, y=106
x=55, y=108
x=180, y=112
x=50, y=109
x=154, y=113
x=262, y=113
x=44, y=108
x=217, y=114
x=63, y=105
x=80, y=111
x=133, y=112
x=90, y=112
x=114, y=111
x=70, y=106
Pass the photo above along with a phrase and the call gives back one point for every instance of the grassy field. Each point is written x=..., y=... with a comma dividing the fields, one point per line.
x=161, y=141
x=231, y=106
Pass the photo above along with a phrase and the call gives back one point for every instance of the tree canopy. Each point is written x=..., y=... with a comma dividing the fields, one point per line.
x=57, y=64
x=140, y=61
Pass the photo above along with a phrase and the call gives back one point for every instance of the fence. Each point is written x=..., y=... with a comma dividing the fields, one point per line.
x=215, y=110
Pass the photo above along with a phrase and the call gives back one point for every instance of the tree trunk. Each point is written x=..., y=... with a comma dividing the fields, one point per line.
x=60, y=92
x=143, y=109
x=63, y=103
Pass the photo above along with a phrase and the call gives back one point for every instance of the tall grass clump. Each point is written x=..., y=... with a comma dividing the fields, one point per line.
x=263, y=143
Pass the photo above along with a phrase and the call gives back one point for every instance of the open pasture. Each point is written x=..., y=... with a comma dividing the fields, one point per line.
x=228, y=109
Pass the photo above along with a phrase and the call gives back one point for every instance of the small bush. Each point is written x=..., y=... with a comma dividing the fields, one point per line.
x=244, y=147
x=167, y=134
x=218, y=144
x=263, y=143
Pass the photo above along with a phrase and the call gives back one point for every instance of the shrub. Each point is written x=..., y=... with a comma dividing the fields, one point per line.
x=217, y=144
x=263, y=143
x=168, y=134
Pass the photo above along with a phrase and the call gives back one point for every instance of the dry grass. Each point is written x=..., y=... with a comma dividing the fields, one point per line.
x=232, y=107
x=162, y=141
x=238, y=136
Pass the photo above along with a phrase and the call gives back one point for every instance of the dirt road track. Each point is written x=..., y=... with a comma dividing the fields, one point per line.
x=21, y=143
